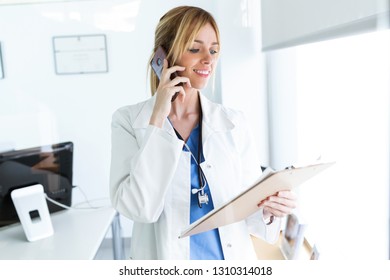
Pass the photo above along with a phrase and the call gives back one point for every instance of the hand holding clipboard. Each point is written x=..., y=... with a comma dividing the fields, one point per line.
x=246, y=203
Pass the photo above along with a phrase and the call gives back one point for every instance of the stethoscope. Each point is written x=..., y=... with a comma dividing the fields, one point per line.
x=203, y=197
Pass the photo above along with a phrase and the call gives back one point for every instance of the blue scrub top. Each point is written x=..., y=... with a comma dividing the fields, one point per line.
x=205, y=245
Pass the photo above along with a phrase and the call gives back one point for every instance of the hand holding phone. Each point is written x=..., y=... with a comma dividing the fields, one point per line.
x=157, y=64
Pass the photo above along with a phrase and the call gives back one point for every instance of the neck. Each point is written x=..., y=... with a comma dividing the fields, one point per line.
x=184, y=109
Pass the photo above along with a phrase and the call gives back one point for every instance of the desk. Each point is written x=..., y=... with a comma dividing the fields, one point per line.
x=77, y=236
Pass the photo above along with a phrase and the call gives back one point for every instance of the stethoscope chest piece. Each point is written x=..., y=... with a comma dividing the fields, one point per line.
x=202, y=198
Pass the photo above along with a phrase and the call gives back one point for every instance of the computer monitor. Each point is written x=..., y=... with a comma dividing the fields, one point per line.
x=51, y=166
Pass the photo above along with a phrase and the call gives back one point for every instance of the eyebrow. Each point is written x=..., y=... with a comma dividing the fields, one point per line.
x=201, y=42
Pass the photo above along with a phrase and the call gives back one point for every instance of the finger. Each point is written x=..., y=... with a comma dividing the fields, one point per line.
x=176, y=68
x=278, y=210
x=261, y=203
x=267, y=198
x=164, y=69
x=279, y=196
x=165, y=63
x=282, y=201
x=287, y=198
x=282, y=208
x=167, y=72
x=180, y=90
x=287, y=194
x=285, y=208
x=178, y=80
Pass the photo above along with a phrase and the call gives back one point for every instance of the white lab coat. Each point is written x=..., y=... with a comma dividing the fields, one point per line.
x=150, y=180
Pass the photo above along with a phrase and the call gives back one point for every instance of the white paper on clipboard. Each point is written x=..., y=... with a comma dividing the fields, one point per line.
x=245, y=204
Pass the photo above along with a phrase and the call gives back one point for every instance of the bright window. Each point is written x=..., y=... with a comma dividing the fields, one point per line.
x=342, y=114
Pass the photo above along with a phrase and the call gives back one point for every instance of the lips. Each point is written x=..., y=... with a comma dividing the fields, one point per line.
x=203, y=73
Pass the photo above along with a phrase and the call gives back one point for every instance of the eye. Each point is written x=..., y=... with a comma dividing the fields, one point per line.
x=193, y=50
x=213, y=51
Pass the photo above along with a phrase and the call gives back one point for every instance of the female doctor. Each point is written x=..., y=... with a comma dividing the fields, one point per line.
x=173, y=162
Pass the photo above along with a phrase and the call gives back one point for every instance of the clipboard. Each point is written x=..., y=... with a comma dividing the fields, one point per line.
x=245, y=204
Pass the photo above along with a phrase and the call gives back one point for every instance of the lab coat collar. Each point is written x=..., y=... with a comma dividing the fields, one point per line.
x=214, y=116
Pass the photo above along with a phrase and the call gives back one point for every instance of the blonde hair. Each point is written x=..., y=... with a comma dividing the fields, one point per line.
x=176, y=31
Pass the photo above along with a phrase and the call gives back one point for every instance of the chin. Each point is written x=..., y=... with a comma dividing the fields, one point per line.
x=199, y=86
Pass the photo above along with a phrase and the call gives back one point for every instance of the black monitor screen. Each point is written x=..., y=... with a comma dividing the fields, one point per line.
x=51, y=166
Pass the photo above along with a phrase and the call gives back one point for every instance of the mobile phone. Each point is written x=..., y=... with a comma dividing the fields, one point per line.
x=157, y=64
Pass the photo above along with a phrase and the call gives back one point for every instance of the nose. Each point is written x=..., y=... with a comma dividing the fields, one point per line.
x=207, y=58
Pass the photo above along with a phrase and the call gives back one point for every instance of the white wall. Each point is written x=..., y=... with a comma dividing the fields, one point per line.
x=243, y=66
x=39, y=107
x=281, y=88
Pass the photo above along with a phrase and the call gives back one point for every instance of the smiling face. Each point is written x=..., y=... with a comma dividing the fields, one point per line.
x=200, y=59
x=190, y=36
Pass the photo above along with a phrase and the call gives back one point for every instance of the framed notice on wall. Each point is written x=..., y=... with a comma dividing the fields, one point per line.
x=81, y=54
x=1, y=64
